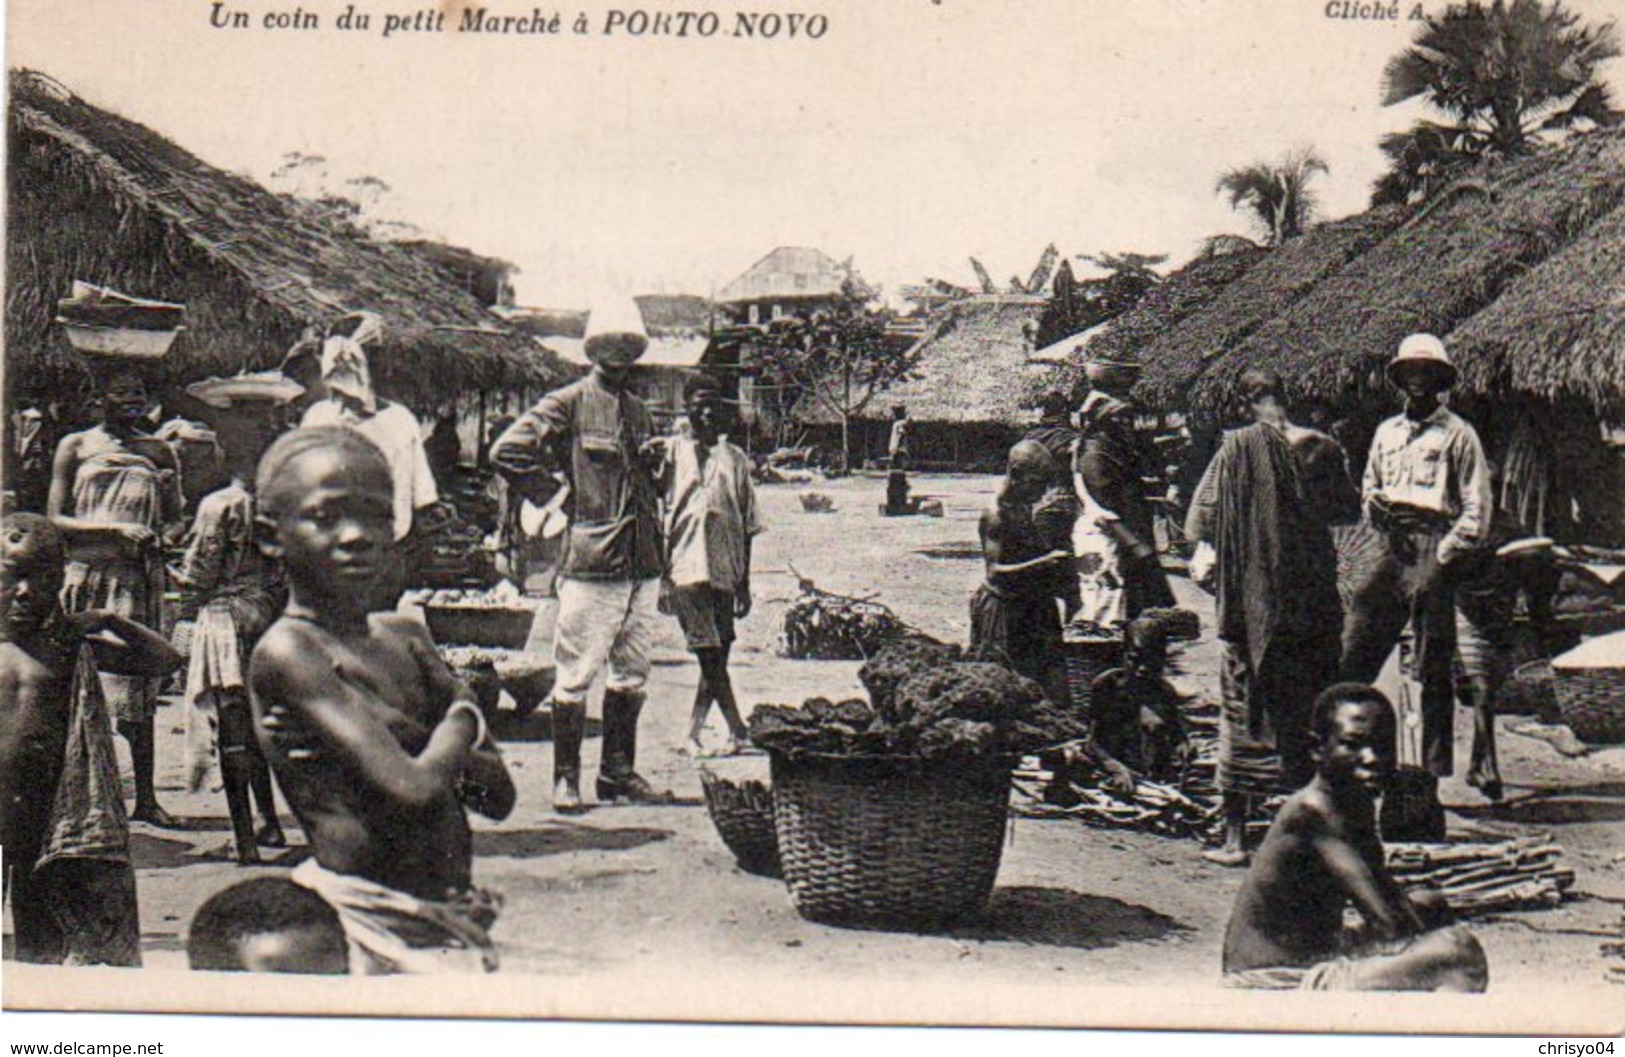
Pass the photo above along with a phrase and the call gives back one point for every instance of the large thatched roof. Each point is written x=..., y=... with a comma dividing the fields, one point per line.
x=94, y=196
x=972, y=367
x=1558, y=331
x=1176, y=354
x=1328, y=309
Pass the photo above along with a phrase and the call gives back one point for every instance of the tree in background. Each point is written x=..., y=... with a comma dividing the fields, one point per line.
x=839, y=358
x=1508, y=76
x=1276, y=197
x=1076, y=306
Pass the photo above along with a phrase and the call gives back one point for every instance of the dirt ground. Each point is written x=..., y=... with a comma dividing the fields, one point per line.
x=644, y=889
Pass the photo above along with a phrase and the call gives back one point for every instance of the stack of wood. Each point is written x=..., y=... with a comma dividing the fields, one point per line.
x=1070, y=784
x=1614, y=952
x=1483, y=877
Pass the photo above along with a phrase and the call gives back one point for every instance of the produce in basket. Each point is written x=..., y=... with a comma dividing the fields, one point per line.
x=925, y=703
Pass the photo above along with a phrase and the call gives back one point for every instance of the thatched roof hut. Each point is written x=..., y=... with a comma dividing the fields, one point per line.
x=1558, y=331
x=97, y=197
x=1446, y=263
x=1273, y=281
x=967, y=400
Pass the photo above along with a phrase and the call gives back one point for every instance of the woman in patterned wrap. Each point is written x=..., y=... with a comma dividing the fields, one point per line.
x=113, y=489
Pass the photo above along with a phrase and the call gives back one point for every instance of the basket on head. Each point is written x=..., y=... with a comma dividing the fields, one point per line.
x=890, y=842
x=1590, y=684
x=741, y=805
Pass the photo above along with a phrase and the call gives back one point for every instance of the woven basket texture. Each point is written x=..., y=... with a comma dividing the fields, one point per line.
x=890, y=842
x=1085, y=661
x=743, y=814
x=1592, y=701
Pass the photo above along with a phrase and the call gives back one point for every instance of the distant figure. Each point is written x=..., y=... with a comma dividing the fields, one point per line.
x=711, y=519
x=62, y=823
x=1490, y=581
x=115, y=488
x=1136, y=710
x=267, y=925
x=378, y=748
x=444, y=448
x=1115, y=539
x=393, y=429
x=1321, y=854
x=1056, y=511
x=230, y=593
x=1014, y=615
x=897, y=463
x=1427, y=495
x=1275, y=579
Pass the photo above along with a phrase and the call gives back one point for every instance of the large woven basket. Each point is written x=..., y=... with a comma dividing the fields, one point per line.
x=889, y=842
x=741, y=807
x=1590, y=684
x=1085, y=660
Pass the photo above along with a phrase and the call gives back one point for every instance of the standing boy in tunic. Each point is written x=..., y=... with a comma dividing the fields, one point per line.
x=711, y=518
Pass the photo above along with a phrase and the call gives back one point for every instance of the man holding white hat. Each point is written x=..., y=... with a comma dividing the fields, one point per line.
x=596, y=435
x=1427, y=493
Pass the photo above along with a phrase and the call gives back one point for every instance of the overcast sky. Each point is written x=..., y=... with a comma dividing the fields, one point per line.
x=912, y=136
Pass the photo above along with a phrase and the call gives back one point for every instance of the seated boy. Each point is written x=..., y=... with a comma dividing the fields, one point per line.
x=1322, y=853
x=711, y=518
x=62, y=820
x=267, y=925
x=376, y=745
x=1135, y=710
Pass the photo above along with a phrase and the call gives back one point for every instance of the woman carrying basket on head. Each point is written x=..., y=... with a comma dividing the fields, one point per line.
x=113, y=489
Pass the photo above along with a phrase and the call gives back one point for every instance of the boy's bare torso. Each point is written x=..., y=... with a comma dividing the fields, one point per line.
x=380, y=680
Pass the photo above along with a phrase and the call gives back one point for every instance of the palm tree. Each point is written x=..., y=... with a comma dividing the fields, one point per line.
x=1508, y=76
x=1277, y=196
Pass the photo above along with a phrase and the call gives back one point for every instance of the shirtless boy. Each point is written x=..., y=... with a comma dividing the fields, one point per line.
x=1322, y=853
x=67, y=848
x=377, y=746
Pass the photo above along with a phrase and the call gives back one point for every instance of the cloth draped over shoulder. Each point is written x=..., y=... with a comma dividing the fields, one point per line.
x=1276, y=570
x=392, y=932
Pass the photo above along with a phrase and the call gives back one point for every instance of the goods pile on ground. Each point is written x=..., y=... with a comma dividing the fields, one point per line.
x=453, y=552
x=1478, y=878
x=819, y=625
x=923, y=701
x=503, y=596
x=1067, y=781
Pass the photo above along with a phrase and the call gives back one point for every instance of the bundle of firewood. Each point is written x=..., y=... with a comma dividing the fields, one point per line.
x=1067, y=782
x=824, y=626
x=1481, y=877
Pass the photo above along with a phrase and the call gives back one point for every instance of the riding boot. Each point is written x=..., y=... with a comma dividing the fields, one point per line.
x=617, y=775
x=569, y=728
x=234, y=767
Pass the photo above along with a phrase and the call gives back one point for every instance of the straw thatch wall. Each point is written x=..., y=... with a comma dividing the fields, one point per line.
x=96, y=197
x=1451, y=261
x=1176, y=356
x=973, y=362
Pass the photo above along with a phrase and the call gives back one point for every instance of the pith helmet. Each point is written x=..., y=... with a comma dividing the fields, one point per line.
x=615, y=327
x=1418, y=351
